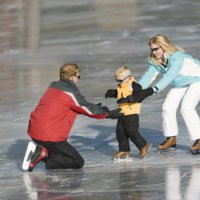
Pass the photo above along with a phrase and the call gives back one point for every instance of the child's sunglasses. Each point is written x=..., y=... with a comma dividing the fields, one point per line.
x=121, y=80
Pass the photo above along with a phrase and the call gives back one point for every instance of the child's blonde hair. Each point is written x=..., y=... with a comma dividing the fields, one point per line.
x=122, y=73
x=68, y=70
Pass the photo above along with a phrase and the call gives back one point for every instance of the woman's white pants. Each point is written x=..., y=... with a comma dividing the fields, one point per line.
x=189, y=96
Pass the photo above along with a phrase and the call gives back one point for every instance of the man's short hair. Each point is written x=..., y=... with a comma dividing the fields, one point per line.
x=68, y=70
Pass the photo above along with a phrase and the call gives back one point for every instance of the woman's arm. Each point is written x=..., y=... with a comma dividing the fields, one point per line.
x=149, y=76
x=176, y=63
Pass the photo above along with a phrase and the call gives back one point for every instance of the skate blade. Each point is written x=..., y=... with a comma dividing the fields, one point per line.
x=123, y=160
x=29, y=152
x=171, y=149
x=195, y=152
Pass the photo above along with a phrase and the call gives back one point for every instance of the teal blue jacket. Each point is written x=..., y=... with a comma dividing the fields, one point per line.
x=181, y=70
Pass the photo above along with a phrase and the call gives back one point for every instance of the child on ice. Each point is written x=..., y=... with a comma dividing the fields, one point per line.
x=128, y=95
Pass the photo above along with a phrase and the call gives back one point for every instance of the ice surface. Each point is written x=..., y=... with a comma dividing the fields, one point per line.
x=36, y=37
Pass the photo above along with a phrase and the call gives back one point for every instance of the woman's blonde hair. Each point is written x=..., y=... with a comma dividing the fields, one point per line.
x=163, y=42
x=122, y=72
x=68, y=70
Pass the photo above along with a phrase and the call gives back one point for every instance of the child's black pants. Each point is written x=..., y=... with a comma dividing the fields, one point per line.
x=127, y=128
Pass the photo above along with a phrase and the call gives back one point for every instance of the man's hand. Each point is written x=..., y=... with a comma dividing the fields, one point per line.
x=105, y=109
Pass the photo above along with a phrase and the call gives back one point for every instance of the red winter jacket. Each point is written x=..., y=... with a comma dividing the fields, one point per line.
x=54, y=116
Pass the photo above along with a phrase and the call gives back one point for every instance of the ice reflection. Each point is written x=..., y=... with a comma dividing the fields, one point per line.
x=20, y=24
x=130, y=182
x=193, y=191
x=36, y=37
x=116, y=14
x=18, y=83
x=31, y=24
x=182, y=185
x=171, y=183
x=52, y=185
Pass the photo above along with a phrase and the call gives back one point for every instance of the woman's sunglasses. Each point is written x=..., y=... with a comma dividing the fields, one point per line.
x=155, y=49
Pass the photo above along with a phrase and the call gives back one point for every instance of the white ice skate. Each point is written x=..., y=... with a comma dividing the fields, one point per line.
x=29, y=152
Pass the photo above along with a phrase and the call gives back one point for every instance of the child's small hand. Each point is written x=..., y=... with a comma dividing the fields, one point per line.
x=114, y=114
x=123, y=100
x=111, y=93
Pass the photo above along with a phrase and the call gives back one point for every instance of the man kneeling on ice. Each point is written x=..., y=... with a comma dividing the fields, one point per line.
x=51, y=121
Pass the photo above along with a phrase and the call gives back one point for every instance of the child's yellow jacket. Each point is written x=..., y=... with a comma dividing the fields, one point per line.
x=124, y=90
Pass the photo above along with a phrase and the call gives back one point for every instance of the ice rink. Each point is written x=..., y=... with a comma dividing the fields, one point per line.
x=36, y=38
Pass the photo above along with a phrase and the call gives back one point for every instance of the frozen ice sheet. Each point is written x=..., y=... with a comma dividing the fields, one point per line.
x=36, y=37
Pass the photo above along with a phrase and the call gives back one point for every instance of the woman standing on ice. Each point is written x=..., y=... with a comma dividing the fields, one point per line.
x=182, y=71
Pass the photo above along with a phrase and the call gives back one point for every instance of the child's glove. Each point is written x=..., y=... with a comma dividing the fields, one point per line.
x=128, y=99
x=105, y=109
x=114, y=114
x=111, y=93
x=137, y=96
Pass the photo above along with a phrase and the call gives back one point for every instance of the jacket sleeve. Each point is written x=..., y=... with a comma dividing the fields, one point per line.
x=149, y=76
x=176, y=63
x=136, y=86
x=81, y=106
x=140, y=95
